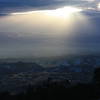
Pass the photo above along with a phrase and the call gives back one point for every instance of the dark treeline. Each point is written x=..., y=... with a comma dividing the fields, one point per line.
x=58, y=90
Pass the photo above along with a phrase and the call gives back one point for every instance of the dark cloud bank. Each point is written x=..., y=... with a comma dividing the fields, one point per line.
x=8, y=6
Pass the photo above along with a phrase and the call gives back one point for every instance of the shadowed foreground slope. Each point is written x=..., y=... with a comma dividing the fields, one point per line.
x=57, y=90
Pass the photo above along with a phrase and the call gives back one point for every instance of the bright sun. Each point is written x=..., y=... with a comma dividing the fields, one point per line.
x=99, y=5
x=60, y=12
x=63, y=12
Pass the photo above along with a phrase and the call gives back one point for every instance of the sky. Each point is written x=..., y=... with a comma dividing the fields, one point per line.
x=34, y=28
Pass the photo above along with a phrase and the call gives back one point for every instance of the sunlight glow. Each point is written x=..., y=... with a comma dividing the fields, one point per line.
x=60, y=12
x=59, y=22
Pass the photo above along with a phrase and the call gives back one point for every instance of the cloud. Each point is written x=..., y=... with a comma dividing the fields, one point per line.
x=8, y=6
